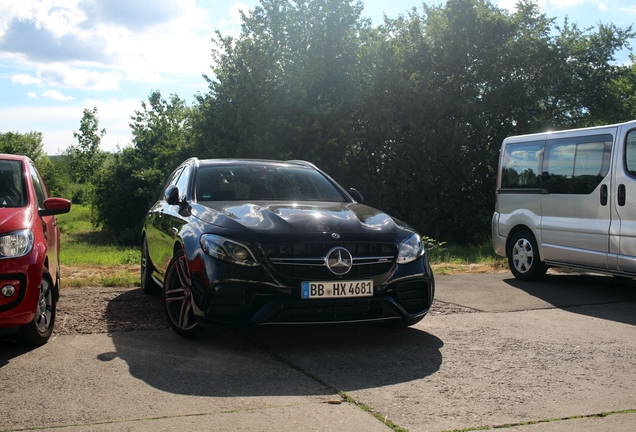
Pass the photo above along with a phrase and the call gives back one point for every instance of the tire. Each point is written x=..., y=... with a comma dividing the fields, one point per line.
x=177, y=301
x=38, y=331
x=523, y=257
x=148, y=284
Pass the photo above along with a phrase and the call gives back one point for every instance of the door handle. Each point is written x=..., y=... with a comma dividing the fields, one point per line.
x=621, y=195
x=604, y=195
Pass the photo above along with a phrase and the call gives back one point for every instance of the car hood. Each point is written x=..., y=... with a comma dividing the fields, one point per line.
x=308, y=217
x=14, y=218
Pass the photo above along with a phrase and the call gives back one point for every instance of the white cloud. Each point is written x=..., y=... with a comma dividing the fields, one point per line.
x=96, y=34
x=235, y=12
x=54, y=94
x=57, y=123
x=64, y=76
x=564, y=4
x=25, y=79
x=32, y=95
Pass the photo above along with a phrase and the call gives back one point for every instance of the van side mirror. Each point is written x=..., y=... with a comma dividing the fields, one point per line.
x=356, y=195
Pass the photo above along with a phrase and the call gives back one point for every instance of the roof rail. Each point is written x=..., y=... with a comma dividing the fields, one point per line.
x=302, y=162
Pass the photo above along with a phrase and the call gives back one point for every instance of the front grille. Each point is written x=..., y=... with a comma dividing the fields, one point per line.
x=306, y=261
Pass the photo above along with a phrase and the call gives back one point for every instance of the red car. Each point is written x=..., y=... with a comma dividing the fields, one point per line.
x=29, y=251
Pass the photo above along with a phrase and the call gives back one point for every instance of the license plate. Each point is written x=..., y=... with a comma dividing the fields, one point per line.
x=341, y=289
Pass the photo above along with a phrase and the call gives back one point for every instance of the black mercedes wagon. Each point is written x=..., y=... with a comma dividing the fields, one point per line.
x=236, y=242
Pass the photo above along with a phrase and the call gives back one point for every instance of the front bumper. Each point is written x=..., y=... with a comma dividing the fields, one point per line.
x=24, y=274
x=406, y=292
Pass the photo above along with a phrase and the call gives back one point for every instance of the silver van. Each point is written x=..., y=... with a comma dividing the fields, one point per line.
x=568, y=199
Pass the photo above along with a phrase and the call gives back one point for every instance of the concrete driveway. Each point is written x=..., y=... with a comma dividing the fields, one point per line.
x=558, y=355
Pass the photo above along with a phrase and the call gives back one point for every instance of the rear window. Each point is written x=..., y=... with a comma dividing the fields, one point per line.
x=264, y=183
x=521, y=164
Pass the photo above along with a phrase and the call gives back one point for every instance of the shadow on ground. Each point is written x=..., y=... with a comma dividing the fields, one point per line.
x=277, y=360
x=582, y=293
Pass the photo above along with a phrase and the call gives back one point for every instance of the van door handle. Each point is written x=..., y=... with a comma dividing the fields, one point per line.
x=621, y=195
x=604, y=195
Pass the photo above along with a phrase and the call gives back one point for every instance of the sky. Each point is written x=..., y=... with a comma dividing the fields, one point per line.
x=59, y=57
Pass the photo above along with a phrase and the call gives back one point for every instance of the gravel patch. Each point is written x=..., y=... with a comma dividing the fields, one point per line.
x=106, y=310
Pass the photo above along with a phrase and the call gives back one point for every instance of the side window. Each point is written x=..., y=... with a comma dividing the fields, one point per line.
x=182, y=182
x=576, y=165
x=171, y=180
x=38, y=185
x=630, y=153
x=521, y=164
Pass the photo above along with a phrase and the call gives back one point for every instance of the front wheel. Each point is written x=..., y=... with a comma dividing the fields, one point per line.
x=523, y=257
x=177, y=300
x=38, y=331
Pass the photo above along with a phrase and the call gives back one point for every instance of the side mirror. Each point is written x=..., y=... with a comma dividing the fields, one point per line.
x=172, y=195
x=356, y=195
x=55, y=206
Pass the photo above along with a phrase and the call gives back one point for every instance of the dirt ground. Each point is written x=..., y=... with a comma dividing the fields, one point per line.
x=120, y=309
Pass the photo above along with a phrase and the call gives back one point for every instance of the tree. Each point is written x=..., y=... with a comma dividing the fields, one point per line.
x=30, y=144
x=287, y=87
x=87, y=157
x=130, y=182
x=26, y=144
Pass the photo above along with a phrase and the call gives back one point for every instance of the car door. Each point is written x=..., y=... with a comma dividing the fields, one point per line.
x=624, y=200
x=49, y=223
x=163, y=222
x=576, y=211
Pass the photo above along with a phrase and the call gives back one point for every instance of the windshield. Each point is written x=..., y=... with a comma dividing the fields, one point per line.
x=11, y=184
x=264, y=182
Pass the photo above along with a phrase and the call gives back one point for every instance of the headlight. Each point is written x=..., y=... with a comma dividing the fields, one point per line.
x=410, y=249
x=16, y=244
x=227, y=250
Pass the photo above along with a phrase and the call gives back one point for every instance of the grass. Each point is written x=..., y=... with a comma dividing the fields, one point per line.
x=90, y=258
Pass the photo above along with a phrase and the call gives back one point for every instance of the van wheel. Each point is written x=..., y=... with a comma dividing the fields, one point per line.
x=523, y=257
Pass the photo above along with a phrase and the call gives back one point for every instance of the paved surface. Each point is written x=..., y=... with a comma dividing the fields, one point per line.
x=541, y=357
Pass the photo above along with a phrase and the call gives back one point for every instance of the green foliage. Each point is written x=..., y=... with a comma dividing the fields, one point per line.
x=27, y=144
x=86, y=158
x=130, y=181
x=30, y=144
x=124, y=191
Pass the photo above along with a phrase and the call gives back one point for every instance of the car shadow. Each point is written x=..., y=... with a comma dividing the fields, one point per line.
x=9, y=349
x=275, y=360
x=601, y=296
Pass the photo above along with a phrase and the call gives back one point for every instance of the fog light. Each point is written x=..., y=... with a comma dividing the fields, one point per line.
x=8, y=290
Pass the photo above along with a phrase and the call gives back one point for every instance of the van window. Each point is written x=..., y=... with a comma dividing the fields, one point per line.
x=520, y=167
x=576, y=165
x=630, y=153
